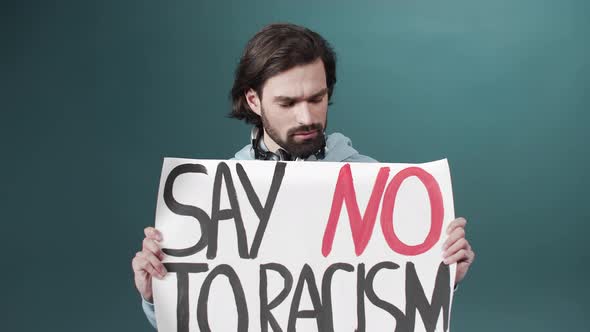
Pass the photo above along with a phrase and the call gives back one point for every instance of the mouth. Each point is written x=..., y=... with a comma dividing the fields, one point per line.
x=305, y=135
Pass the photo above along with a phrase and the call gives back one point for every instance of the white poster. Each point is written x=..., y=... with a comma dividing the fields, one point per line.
x=304, y=246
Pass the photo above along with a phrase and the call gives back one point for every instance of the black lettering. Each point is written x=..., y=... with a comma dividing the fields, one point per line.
x=223, y=173
x=266, y=317
x=306, y=277
x=239, y=297
x=416, y=299
x=186, y=210
x=182, y=306
x=400, y=319
x=360, y=298
x=263, y=213
x=327, y=320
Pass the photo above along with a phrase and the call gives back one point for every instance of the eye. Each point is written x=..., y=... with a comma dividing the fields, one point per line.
x=317, y=100
x=287, y=105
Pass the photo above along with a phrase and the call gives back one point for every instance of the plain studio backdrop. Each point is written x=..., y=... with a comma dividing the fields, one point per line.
x=95, y=94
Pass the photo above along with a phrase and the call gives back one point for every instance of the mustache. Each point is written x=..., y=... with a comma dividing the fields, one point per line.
x=305, y=128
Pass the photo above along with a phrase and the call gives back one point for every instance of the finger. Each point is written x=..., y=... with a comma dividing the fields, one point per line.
x=455, y=247
x=458, y=233
x=141, y=266
x=470, y=256
x=157, y=264
x=152, y=247
x=136, y=263
x=459, y=222
x=152, y=265
x=152, y=233
x=458, y=256
x=146, y=267
x=470, y=253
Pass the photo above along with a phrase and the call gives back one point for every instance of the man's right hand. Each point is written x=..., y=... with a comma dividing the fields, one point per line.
x=147, y=263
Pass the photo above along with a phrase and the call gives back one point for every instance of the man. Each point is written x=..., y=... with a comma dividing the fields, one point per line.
x=283, y=85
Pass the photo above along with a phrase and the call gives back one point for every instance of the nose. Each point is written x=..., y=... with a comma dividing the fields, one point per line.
x=303, y=114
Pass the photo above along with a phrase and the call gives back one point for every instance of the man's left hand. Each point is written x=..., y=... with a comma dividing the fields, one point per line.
x=457, y=249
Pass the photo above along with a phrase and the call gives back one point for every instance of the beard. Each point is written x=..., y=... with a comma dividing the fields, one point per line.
x=301, y=149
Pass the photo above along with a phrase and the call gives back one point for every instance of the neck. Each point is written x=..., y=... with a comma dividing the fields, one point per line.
x=270, y=144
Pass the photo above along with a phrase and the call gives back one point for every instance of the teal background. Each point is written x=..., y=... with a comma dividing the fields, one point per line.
x=95, y=94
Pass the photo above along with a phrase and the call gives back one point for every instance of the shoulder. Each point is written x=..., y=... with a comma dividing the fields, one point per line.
x=339, y=148
x=360, y=158
x=244, y=153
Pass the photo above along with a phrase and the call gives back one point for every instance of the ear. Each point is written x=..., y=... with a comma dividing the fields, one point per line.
x=253, y=101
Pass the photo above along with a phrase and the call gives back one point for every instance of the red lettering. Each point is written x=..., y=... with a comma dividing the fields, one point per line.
x=436, y=212
x=361, y=228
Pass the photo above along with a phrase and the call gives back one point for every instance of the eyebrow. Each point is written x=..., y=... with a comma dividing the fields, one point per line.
x=292, y=99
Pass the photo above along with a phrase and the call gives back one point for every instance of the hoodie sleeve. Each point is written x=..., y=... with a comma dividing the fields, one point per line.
x=150, y=313
x=359, y=158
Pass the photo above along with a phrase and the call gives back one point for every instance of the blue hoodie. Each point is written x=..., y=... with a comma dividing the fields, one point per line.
x=338, y=148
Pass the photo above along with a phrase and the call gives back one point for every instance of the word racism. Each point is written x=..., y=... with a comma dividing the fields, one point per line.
x=303, y=280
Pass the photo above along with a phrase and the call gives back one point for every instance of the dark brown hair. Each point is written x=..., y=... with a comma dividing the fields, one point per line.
x=275, y=49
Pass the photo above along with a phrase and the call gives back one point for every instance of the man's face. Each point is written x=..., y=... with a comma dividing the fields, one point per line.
x=294, y=109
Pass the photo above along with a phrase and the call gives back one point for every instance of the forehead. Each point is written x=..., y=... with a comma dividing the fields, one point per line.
x=297, y=82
